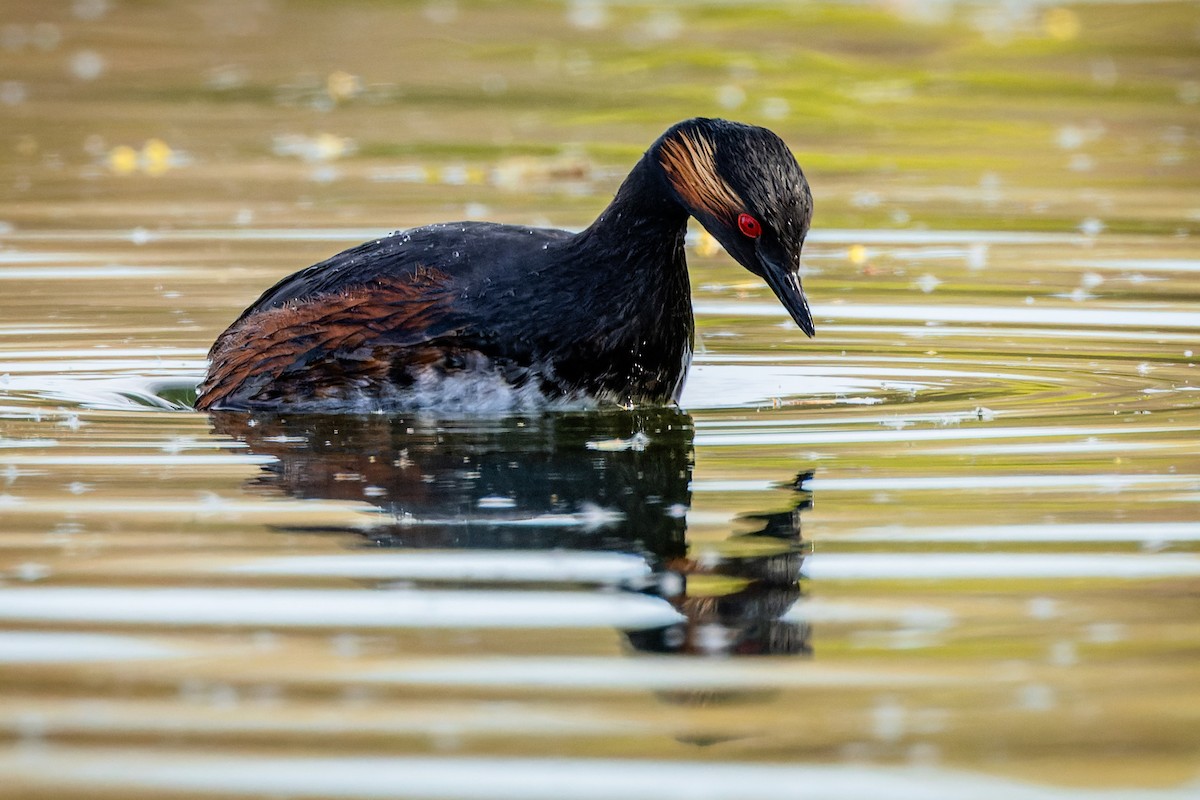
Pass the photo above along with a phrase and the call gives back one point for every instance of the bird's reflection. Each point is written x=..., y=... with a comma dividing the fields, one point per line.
x=599, y=482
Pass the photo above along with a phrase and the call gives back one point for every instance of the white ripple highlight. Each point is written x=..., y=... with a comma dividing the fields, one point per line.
x=140, y=460
x=1098, y=532
x=41, y=647
x=482, y=778
x=646, y=673
x=1033, y=482
x=991, y=566
x=1153, y=319
x=302, y=608
x=724, y=436
x=555, y=566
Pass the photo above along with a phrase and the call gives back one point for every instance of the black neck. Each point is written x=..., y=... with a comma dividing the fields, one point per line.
x=637, y=241
x=640, y=319
x=644, y=211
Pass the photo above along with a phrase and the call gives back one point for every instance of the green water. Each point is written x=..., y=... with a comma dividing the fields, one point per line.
x=948, y=548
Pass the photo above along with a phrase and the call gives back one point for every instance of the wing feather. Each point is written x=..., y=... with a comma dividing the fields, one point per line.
x=325, y=343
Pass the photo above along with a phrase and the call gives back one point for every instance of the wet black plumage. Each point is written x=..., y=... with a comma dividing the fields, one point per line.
x=603, y=315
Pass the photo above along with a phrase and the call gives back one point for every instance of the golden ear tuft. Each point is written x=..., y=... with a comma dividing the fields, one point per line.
x=691, y=166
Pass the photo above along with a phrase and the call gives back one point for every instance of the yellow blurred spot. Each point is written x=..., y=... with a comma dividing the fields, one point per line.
x=714, y=585
x=476, y=175
x=342, y=85
x=1061, y=24
x=123, y=160
x=706, y=245
x=857, y=255
x=328, y=146
x=156, y=157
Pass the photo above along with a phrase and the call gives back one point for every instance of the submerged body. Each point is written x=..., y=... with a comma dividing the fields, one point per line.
x=479, y=314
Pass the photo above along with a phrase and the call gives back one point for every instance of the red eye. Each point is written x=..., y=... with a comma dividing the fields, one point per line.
x=749, y=226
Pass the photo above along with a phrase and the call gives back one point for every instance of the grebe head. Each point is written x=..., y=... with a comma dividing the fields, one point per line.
x=743, y=184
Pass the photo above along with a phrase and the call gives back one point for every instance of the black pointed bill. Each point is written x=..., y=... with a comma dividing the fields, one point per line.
x=785, y=283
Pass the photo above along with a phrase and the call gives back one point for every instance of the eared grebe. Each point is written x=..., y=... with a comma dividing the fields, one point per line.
x=475, y=315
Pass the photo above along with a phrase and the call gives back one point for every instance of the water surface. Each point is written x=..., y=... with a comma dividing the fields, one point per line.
x=948, y=548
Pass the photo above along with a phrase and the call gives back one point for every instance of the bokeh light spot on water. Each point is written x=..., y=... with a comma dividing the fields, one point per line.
x=441, y=12
x=927, y=283
x=13, y=93
x=155, y=158
x=1061, y=23
x=775, y=108
x=589, y=15
x=87, y=65
x=342, y=86
x=321, y=147
x=227, y=77
x=730, y=96
x=89, y=10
